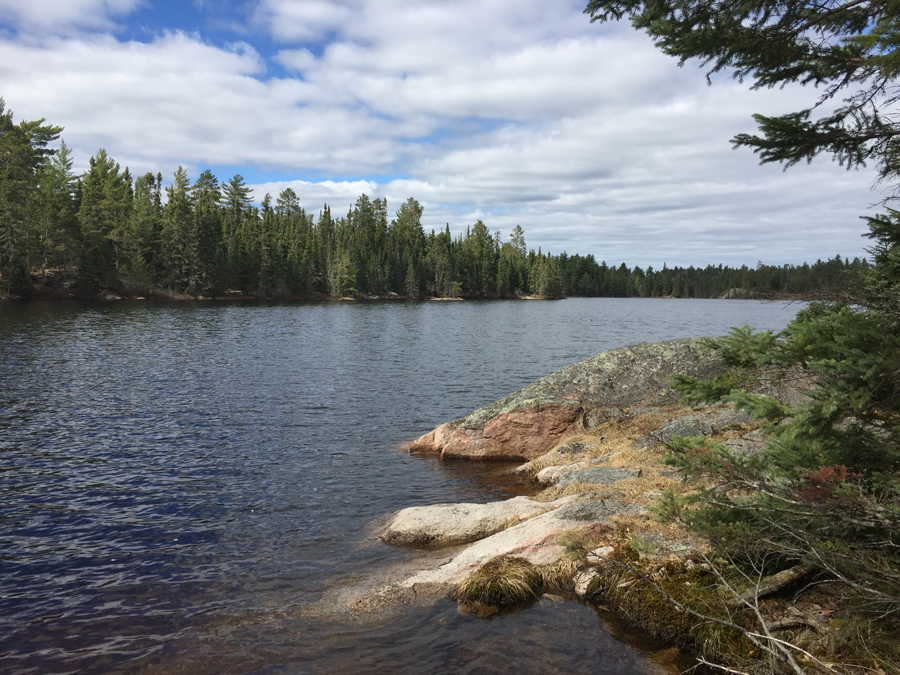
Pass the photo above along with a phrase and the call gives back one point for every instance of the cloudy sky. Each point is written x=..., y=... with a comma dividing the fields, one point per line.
x=511, y=111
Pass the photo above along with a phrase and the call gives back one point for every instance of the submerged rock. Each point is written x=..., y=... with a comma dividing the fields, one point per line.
x=527, y=423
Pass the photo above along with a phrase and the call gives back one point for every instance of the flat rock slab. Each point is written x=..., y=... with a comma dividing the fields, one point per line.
x=553, y=474
x=594, y=510
x=534, y=540
x=452, y=524
x=599, y=475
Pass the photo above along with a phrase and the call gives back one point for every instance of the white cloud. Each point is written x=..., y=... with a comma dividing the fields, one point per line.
x=309, y=20
x=516, y=113
x=64, y=16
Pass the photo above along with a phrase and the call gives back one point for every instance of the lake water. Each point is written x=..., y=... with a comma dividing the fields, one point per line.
x=178, y=481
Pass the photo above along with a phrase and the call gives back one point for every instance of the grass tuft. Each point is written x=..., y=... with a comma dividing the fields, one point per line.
x=500, y=582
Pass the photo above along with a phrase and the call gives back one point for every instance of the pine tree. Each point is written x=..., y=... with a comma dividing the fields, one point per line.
x=103, y=214
x=145, y=231
x=23, y=151
x=480, y=260
x=236, y=198
x=211, y=275
x=826, y=490
x=412, y=281
x=55, y=212
x=833, y=45
x=179, y=250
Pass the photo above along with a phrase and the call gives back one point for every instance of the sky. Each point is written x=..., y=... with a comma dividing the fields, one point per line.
x=515, y=112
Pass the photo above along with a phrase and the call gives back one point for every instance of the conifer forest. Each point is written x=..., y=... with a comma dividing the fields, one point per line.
x=63, y=234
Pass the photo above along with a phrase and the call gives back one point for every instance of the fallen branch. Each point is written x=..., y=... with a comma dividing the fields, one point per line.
x=776, y=582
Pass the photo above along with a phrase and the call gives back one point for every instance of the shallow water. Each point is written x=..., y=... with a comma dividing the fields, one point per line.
x=178, y=480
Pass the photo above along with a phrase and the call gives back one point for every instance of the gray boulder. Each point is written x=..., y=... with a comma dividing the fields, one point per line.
x=597, y=510
x=527, y=423
x=618, y=378
x=700, y=424
x=597, y=416
x=599, y=475
x=553, y=474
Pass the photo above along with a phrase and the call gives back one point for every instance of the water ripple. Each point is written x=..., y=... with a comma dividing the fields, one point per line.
x=166, y=466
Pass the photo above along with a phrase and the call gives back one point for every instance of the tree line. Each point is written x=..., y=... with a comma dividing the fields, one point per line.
x=107, y=229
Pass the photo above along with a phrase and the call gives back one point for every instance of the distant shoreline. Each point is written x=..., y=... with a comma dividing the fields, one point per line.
x=105, y=295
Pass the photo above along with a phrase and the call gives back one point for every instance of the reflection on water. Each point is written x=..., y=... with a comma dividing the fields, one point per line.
x=178, y=480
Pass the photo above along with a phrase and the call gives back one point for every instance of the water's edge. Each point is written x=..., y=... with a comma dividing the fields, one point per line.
x=179, y=482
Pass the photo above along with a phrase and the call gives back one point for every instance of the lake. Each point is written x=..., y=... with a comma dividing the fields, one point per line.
x=180, y=481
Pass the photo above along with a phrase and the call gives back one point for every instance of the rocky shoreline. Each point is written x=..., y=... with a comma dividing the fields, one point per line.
x=610, y=386
x=594, y=435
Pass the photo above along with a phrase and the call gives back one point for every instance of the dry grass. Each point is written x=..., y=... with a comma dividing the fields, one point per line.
x=647, y=424
x=840, y=637
x=500, y=582
x=594, y=448
x=643, y=490
x=615, y=440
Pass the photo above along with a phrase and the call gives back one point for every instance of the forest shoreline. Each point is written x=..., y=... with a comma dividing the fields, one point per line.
x=44, y=294
x=107, y=229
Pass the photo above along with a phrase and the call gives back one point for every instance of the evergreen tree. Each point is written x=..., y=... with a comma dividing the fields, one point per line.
x=179, y=250
x=23, y=151
x=406, y=243
x=145, y=231
x=102, y=216
x=268, y=250
x=55, y=208
x=511, y=265
x=826, y=490
x=546, y=277
x=236, y=197
x=479, y=261
x=211, y=275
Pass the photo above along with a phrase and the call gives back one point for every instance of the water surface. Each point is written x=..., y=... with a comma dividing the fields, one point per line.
x=178, y=480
